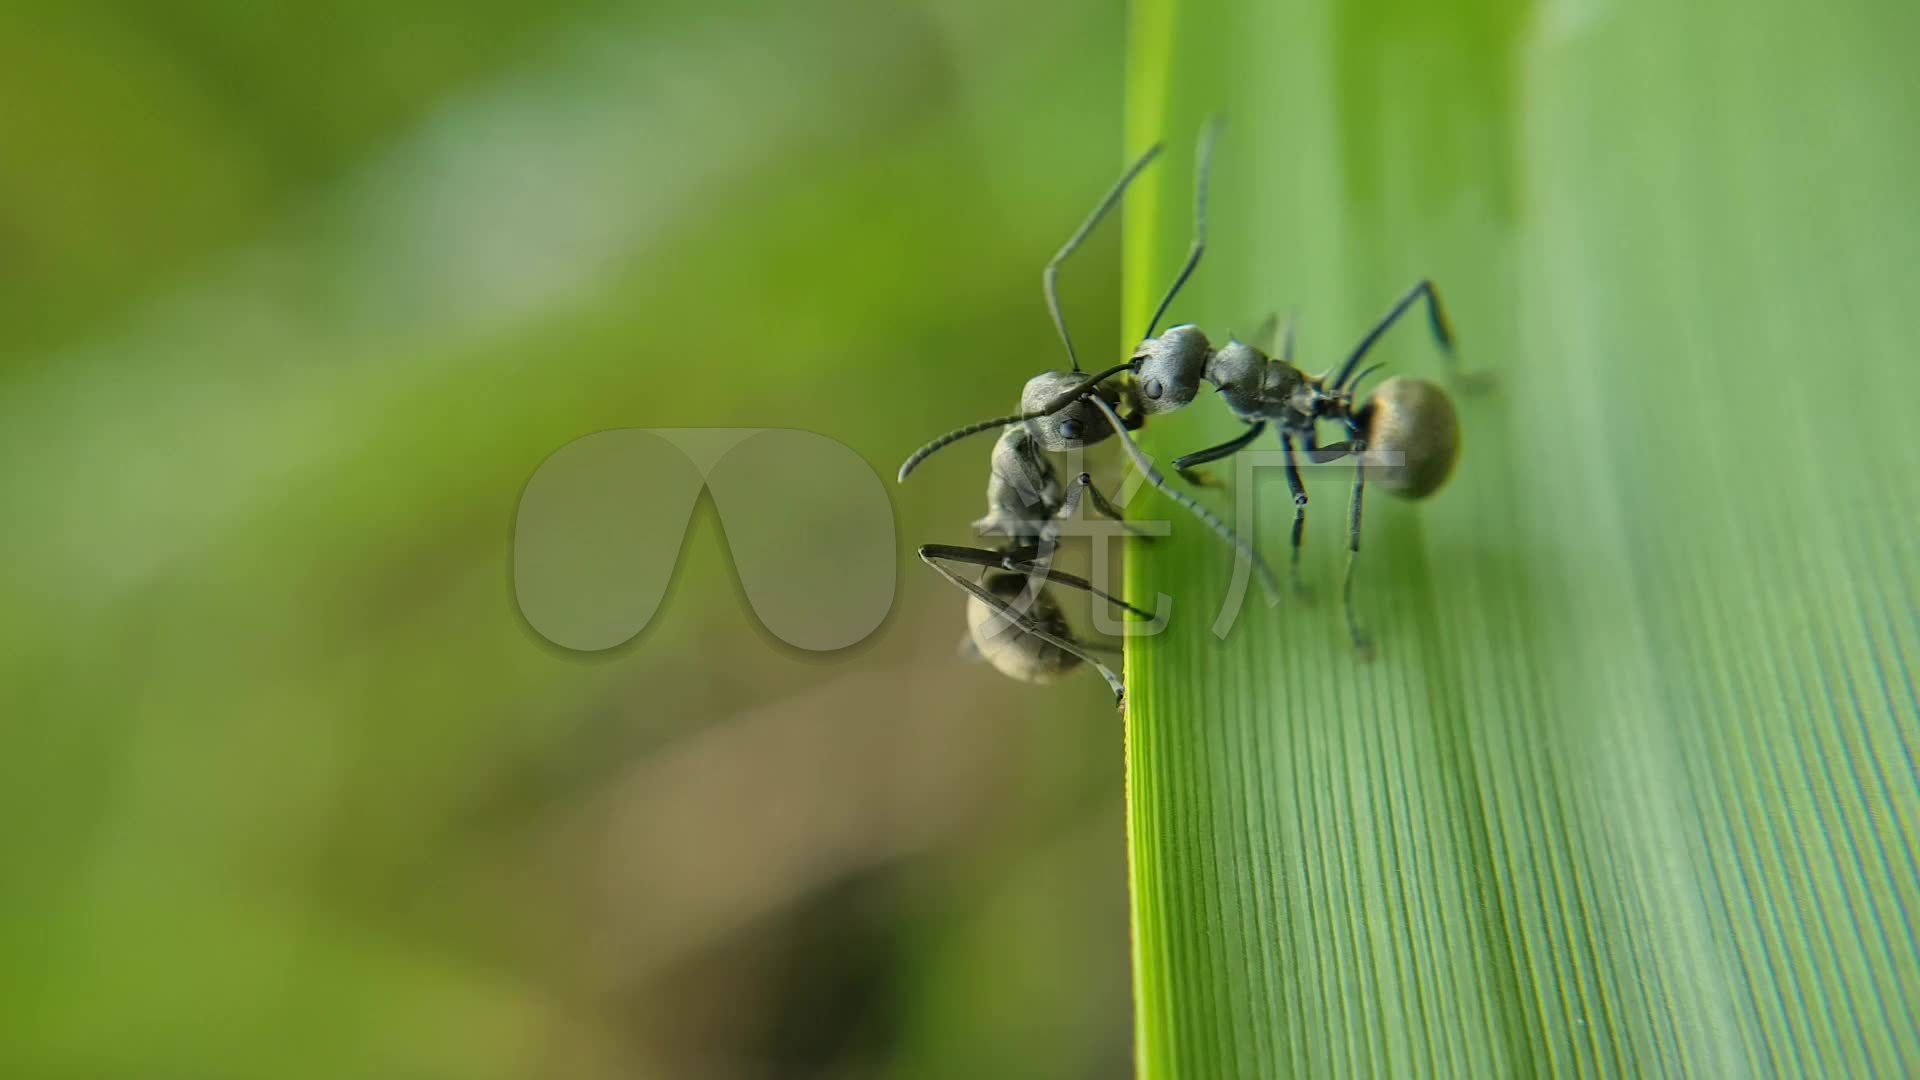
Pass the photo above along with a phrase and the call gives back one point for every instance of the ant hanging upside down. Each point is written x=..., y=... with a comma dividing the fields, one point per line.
x=1404, y=437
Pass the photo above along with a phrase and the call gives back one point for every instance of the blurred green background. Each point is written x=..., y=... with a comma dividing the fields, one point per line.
x=294, y=303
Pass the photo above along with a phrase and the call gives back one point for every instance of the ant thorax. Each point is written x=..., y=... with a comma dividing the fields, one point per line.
x=1254, y=384
x=1023, y=492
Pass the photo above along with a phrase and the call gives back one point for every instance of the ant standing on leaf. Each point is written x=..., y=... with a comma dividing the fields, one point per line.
x=1405, y=437
x=1012, y=622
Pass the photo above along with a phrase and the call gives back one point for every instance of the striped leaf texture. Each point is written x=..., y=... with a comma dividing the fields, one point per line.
x=1627, y=787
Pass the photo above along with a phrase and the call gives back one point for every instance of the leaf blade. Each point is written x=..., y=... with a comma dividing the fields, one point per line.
x=1630, y=788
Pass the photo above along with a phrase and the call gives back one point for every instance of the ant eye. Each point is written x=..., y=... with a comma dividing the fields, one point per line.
x=1069, y=428
x=1152, y=388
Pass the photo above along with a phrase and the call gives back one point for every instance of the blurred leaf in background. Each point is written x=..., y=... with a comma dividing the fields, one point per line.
x=294, y=303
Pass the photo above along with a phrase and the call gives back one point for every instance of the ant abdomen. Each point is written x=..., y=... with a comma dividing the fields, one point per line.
x=1414, y=419
x=1011, y=650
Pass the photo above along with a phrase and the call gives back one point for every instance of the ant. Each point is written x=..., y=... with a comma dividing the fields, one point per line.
x=1025, y=505
x=1405, y=436
x=1061, y=411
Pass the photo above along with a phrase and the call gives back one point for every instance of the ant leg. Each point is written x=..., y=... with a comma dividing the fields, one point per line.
x=1021, y=561
x=1299, y=491
x=1049, y=277
x=1074, y=581
x=1184, y=465
x=1101, y=503
x=1265, y=337
x=1275, y=339
x=1050, y=533
x=930, y=553
x=1106, y=509
x=1320, y=455
x=1436, y=317
x=1203, y=165
x=1040, y=559
x=1360, y=643
x=1152, y=476
x=1007, y=559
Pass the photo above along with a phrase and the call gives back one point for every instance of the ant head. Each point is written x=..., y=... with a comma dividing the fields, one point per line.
x=1414, y=420
x=1168, y=368
x=1074, y=425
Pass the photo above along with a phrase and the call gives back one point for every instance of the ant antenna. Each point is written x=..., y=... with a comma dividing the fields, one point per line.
x=1052, y=272
x=1072, y=394
x=1153, y=477
x=922, y=454
x=1203, y=168
x=1353, y=385
x=1047, y=408
x=1048, y=284
x=1436, y=318
x=1203, y=165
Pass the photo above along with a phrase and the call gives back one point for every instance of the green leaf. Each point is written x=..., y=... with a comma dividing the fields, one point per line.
x=1628, y=787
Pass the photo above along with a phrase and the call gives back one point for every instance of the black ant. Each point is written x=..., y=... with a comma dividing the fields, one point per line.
x=1025, y=505
x=1405, y=436
x=1062, y=411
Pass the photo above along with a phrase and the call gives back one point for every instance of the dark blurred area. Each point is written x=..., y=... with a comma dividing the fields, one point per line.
x=295, y=301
